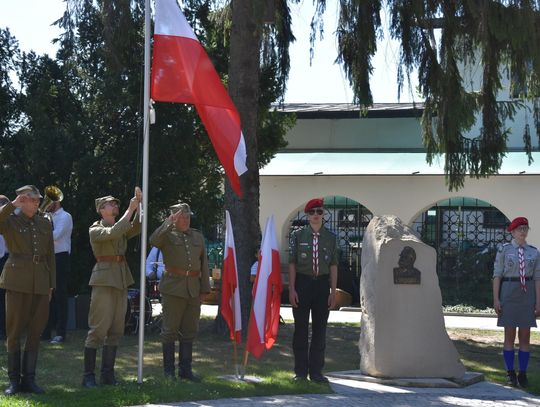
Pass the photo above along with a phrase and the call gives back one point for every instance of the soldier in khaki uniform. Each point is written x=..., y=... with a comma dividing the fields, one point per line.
x=110, y=279
x=29, y=276
x=183, y=287
x=313, y=259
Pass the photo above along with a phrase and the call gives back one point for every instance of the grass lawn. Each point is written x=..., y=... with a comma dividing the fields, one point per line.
x=60, y=368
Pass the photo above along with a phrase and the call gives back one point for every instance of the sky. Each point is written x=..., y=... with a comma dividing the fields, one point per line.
x=322, y=81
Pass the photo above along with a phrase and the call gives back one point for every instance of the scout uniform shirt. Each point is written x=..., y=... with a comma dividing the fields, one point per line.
x=31, y=266
x=182, y=251
x=107, y=240
x=301, y=250
x=507, y=264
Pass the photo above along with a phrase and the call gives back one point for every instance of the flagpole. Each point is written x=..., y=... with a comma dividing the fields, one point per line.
x=146, y=149
x=246, y=353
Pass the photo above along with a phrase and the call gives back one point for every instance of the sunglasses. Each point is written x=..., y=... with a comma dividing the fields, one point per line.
x=315, y=211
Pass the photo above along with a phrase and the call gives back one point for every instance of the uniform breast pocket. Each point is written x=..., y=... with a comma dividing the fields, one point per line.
x=509, y=262
x=304, y=254
x=530, y=261
x=325, y=255
x=176, y=240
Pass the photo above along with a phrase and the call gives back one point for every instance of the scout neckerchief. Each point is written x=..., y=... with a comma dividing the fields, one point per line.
x=316, y=254
x=521, y=259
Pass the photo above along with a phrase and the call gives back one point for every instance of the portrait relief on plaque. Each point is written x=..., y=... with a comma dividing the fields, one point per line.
x=406, y=273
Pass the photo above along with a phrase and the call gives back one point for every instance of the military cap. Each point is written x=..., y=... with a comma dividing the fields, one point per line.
x=518, y=222
x=313, y=203
x=180, y=207
x=29, y=190
x=3, y=200
x=104, y=199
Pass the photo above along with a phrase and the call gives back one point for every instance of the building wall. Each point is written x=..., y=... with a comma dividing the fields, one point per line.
x=360, y=133
x=405, y=196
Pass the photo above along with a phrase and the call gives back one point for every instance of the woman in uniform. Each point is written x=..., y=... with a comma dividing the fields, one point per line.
x=516, y=296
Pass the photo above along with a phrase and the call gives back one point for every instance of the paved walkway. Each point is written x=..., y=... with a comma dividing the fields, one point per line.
x=354, y=315
x=349, y=393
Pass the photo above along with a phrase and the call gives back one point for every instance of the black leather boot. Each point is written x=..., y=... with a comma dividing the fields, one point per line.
x=184, y=371
x=108, y=358
x=14, y=373
x=28, y=381
x=89, y=377
x=168, y=359
x=522, y=379
x=511, y=378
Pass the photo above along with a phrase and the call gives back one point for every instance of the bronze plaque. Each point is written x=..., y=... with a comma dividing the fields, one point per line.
x=406, y=273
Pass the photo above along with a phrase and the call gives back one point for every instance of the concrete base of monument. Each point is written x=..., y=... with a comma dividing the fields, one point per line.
x=467, y=379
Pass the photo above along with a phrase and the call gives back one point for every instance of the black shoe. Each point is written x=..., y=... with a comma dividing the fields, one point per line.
x=318, y=378
x=522, y=379
x=299, y=379
x=188, y=375
x=511, y=378
x=89, y=377
x=108, y=359
x=14, y=388
x=28, y=385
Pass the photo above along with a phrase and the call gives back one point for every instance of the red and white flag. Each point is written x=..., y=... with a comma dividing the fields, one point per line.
x=264, y=318
x=183, y=73
x=230, y=295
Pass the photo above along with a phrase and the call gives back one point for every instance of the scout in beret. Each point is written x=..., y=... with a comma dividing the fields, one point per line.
x=110, y=280
x=313, y=259
x=516, y=280
x=183, y=287
x=29, y=276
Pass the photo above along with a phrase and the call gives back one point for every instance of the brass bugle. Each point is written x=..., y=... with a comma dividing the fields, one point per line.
x=52, y=194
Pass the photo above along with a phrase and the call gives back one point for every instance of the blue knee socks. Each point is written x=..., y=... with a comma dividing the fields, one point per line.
x=509, y=359
x=523, y=358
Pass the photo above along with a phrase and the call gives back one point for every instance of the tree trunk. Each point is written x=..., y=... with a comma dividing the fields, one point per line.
x=244, y=90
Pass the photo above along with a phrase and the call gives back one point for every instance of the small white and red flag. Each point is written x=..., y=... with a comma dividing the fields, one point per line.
x=230, y=294
x=264, y=317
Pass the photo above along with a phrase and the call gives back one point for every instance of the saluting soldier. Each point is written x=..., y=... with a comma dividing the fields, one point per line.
x=516, y=297
x=183, y=287
x=313, y=259
x=29, y=276
x=110, y=279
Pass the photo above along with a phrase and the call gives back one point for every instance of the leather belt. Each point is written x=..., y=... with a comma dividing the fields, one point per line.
x=183, y=273
x=515, y=279
x=110, y=259
x=34, y=258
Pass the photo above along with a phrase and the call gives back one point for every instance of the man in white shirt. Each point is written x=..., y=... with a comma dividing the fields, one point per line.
x=62, y=228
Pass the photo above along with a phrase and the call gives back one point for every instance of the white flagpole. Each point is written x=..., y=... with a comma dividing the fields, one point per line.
x=144, y=232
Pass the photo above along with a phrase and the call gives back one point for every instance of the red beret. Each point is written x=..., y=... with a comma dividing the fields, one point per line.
x=313, y=203
x=518, y=222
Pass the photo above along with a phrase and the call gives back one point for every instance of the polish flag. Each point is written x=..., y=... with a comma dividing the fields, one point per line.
x=183, y=73
x=230, y=295
x=264, y=318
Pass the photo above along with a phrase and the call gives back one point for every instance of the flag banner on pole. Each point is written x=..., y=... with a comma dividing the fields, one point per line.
x=230, y=294
x=264, y=317
x=183, y=73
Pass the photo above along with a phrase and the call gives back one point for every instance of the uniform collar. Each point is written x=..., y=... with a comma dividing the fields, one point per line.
x=25, y=218
x=187, y=232
x=516, y=245
x=106, y=224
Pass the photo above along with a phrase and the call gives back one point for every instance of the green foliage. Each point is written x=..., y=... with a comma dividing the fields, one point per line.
x=498, y=34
